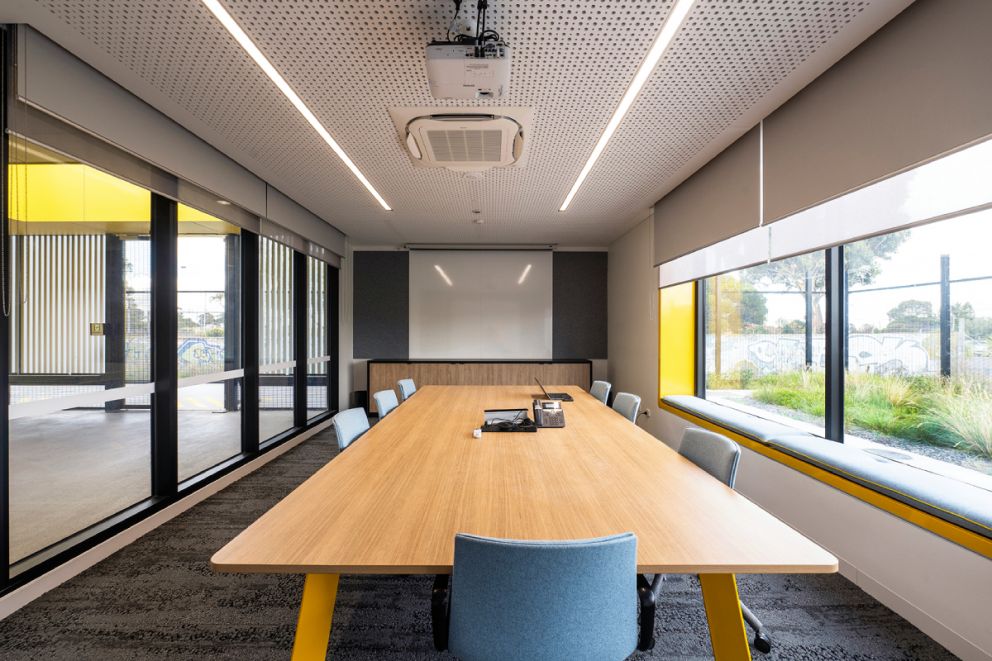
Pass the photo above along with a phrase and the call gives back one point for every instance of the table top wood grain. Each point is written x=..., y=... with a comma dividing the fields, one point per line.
x=393, y=501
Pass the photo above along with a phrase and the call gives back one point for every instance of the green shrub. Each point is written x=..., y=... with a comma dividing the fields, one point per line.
x=962, y=411
x=933, y=410
x=800, y=391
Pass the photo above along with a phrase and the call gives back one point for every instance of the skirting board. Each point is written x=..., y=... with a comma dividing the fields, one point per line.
x=953, y=641
x=22, y=596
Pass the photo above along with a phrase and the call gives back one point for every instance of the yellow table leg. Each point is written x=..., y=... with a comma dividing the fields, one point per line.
x=723, y=611
x=313, y=628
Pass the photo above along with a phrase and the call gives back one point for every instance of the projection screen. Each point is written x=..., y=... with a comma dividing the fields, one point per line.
x=480, y=304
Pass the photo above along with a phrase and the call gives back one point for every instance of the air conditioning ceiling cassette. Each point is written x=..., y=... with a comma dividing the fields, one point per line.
x=464, y=139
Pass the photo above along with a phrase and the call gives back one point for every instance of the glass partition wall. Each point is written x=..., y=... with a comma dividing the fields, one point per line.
x=79, y=424
x=103, y=428
x=208, y=283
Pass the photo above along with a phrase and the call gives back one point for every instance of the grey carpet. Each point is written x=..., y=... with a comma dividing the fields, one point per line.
x=158, y=599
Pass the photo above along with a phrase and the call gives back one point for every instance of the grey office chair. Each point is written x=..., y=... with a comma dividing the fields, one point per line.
x=509, y=599
x=627, y=405
x=349, y=425
x=717, y=455
x=385, y=401
x=407, y=388
x=601, y=390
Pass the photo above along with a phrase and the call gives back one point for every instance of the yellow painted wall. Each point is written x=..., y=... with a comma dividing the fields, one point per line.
x=73, y=192
x=676, y=340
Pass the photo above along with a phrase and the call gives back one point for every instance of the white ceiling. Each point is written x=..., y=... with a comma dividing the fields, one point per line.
x=732, y=63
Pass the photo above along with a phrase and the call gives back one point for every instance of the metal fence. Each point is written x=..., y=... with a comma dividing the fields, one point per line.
x=947, y=338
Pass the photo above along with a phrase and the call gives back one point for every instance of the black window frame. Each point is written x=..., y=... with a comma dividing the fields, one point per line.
x=836, y=341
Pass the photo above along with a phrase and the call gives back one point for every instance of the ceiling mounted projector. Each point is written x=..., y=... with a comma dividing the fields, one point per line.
x=469, y=66
x=460, y=71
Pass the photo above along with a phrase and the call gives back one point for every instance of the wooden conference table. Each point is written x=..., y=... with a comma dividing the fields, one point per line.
x=392, y=503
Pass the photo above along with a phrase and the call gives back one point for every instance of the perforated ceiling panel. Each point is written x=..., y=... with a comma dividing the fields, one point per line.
x=572, y=61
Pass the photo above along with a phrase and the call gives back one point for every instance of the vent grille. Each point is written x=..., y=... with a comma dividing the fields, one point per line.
x=466, y=146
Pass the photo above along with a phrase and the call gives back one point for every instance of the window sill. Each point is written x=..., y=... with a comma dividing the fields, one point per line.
x=960, y=512
x=903, y=456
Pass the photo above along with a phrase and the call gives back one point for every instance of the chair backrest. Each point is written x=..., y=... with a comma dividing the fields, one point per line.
x=407, y=388
x=627, y=405
x=544, y=600
x=385, y=401
x=349, y=425
x=714, y=453
x=601, y=390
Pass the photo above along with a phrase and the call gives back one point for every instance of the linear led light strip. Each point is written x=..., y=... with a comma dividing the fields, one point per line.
x=246, y=43
x=672, y=24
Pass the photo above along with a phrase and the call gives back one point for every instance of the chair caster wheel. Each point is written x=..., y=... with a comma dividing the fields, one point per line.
x=762, y=642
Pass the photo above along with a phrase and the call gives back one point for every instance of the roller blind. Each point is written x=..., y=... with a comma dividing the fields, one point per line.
x=160, y=154
x=323, y=254
x=55, y=81
x=283, y=211
x=717, y=202
x=921, y=86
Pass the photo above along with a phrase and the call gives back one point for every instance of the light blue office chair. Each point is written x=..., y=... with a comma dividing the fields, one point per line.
x=528, y=600
x=719, y=456
x=385, y=401
x=349, y=425
x=627, y=405
x=407, y=388
x=601, y=390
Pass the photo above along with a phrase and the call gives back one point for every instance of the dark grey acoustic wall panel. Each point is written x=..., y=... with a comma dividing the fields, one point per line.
x=382, y=304
x=579, y=312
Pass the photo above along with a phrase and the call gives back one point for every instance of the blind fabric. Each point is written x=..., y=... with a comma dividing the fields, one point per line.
x=862, y=150
x=280, y=234
x=920, y=87
x=950, y=186
x=717, y=202
x=142, y=145
x=283, y=211
x=55, y=81
x=323, y=254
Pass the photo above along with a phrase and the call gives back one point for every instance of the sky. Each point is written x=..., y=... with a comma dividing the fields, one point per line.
x=967, y=240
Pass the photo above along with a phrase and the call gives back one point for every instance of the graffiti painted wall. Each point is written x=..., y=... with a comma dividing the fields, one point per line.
x=883, y=353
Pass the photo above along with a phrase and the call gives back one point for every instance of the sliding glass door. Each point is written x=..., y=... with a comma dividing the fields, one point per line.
x=208, y=346
x=79, y=369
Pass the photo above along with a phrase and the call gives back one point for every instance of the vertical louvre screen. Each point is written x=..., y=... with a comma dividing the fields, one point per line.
x=318, y=356
x=60, y=288
x=276, y=303
x=277, y=355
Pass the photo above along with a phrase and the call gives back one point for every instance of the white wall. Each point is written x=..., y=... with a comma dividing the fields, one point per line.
x=940, y=587
x=633, y=323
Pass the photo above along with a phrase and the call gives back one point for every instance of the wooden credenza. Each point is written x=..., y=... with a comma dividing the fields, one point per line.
x=383, y=374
